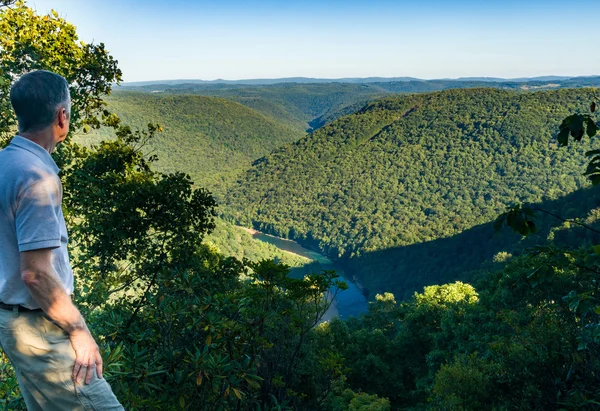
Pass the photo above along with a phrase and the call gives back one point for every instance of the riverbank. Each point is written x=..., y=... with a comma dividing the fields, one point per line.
x=255, y=234
x=251, y=231
x=350, y=302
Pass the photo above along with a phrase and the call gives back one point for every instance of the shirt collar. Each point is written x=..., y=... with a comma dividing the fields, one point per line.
x=36, y=149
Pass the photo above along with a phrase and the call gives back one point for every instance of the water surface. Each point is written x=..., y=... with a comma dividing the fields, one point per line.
x=348, y=303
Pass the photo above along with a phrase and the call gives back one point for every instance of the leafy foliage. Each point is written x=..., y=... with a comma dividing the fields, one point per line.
x=520, y=219
x=30, y=41
x=212, y=139
x=510, y=345
x=152, y=222
x=236, y=242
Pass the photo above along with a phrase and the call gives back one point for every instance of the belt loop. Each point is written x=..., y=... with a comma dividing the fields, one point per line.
x=15, y=311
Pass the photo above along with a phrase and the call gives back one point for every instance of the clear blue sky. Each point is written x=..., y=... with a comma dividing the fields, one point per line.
x=241, y=39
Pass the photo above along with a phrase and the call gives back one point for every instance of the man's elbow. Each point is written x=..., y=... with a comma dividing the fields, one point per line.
x=31, y=277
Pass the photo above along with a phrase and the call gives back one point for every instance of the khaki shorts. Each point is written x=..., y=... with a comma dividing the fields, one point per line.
x=43, y=358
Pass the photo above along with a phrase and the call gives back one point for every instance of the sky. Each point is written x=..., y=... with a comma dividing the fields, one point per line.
x=248, y=39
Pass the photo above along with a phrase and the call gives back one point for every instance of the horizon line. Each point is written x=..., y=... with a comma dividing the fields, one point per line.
x=341, y=79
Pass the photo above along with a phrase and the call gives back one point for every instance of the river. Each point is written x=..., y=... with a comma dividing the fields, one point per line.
x=349, y=303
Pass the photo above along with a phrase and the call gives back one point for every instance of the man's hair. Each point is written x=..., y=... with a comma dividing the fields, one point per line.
x=36, y=98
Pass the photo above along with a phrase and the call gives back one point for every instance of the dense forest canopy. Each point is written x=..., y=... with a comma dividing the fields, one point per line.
x=410, y=170
x=212, y=139
x=305, y=105
x=299, y=105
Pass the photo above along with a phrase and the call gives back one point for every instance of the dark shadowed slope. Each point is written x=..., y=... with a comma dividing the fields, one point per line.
x=412, y=170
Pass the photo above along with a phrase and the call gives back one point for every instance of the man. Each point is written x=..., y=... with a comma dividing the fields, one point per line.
x=56, y=359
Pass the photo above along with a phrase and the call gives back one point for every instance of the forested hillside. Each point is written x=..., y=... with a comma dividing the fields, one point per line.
x=414, y=170
x=236, y=242
x=297, y=105
x=212, y=139
x=305, y=105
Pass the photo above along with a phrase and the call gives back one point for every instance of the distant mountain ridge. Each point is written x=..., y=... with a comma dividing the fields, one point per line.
x=267, y=81
x=518, y=79
x=359, y=80
x=308, y=104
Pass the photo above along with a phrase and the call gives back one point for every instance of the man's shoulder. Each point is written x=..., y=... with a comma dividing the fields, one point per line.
x=23, y=168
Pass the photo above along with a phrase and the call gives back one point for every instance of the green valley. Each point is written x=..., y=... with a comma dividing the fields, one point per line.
x=301, y=106
x=237, y=242
x=410, y=171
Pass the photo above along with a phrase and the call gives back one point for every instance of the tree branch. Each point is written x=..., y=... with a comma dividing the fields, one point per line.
x=566, y=220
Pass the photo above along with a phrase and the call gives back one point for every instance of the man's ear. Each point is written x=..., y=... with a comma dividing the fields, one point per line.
x=63, y=118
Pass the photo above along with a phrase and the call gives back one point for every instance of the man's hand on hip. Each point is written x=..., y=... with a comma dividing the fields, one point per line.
x=88, y=359
x=47, y=290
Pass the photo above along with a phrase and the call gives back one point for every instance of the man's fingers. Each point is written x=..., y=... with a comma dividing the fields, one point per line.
x=80, y=362
x=99, y=367
x=90, y=374
x=81, y=374
x=87, y=358
x=76, y=368
x=82, y=359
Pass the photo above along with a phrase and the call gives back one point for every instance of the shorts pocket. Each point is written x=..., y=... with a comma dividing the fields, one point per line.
x=98, y=396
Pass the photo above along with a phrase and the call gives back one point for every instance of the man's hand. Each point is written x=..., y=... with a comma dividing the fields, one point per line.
x=88, y=359
x=47, y=290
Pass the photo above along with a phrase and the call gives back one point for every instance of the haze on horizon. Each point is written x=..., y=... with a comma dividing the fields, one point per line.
x=429, y=39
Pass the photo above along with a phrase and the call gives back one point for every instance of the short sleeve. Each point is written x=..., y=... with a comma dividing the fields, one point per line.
x=37, y=216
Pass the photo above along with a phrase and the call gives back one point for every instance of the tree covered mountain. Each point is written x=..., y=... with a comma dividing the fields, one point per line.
x=312, y=104
x=412, y=170
x=296, y=104
x=212, y=139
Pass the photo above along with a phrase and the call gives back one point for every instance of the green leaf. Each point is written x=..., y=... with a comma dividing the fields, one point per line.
x=529, y=212
x=563, y=137
x=523, y=228
x=592, y=152
x=511, y=220
x=595, y=179
x=592, y=127
x=237, y=393
x=597, y=310
x=252, y=383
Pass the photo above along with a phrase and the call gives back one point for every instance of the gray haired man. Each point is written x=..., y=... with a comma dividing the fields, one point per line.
x=56, y=359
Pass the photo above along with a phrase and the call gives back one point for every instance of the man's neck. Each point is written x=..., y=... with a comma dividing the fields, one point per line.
x=44, y=138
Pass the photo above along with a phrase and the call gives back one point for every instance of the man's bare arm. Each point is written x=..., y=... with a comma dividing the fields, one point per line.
x=45, y=287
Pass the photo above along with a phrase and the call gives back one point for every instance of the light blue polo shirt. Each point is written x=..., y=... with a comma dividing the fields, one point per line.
x=31, y=217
